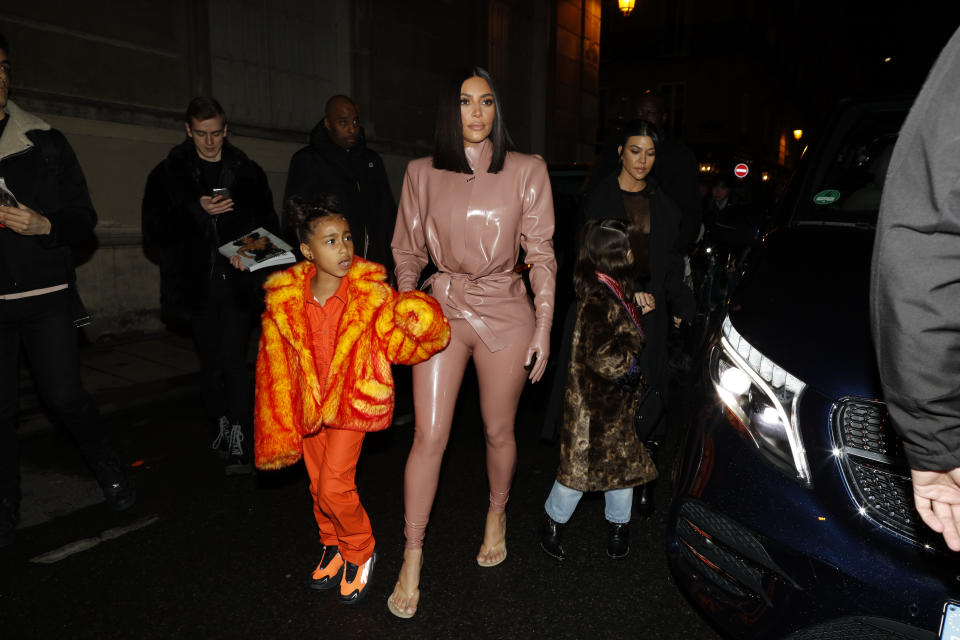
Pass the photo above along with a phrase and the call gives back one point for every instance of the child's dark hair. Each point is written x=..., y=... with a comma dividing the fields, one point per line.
x=603, y=247
x=301, y=214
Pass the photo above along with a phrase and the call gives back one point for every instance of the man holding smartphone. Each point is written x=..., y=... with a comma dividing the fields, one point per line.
x=207, y=193
x=38, y=296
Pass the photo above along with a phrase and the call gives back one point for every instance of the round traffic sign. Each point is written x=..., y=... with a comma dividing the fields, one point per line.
x=741, y=170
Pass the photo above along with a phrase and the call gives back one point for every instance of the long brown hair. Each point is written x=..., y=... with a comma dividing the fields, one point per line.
x=603, y=247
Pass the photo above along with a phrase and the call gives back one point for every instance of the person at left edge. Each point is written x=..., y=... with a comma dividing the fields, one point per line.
x=37, y=296
x=338, y=162
x=184, y=224
x=331, y=330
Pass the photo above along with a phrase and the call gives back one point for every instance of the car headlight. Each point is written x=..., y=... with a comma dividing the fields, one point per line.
x=762, y=397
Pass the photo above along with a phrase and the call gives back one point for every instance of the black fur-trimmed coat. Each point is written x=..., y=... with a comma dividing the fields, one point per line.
x=599, y=447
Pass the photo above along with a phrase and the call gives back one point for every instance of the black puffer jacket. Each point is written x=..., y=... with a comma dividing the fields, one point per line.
x=183, y=238
x=40, y=168
x=358, y=179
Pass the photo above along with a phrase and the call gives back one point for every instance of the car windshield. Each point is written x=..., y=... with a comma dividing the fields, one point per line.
x=846, y=188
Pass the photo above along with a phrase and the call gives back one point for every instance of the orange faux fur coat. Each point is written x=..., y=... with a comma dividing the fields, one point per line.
x=378, y=326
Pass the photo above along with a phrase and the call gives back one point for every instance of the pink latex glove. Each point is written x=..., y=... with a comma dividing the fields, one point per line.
x=539, y=347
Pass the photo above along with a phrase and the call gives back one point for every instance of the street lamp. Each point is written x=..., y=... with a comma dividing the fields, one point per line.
x=626, y=6
x=797, y=134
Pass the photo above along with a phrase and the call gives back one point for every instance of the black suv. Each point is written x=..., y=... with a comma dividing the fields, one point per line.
x=793, y=514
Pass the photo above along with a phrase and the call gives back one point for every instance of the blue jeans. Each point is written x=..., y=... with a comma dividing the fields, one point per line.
x=563, y=500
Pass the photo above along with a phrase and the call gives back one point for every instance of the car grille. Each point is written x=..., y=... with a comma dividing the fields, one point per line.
x=875, y=466
x=861, y=629
x=728, y=554
x=865, y=427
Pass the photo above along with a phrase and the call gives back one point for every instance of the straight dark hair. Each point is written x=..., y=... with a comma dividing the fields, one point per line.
x=603, y=247
x=301, y=214
x=4, y=45
x=640, y=128
x=204, y=108
x=448, y=151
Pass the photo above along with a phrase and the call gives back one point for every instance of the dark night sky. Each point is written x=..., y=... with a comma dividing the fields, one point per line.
x=801, y=57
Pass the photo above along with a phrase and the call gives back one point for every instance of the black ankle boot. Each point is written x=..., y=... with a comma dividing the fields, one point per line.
x=644, y=506
x=618, y=539
x=118, y=487
x=550, y=538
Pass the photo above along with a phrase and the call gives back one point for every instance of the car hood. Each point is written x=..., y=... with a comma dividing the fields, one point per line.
x=803, y=302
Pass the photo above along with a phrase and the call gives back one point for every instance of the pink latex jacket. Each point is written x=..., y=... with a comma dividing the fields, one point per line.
x=473, y=227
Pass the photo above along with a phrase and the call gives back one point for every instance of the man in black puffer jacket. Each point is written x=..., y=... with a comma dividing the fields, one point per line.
x=184, y=224
x=46, y=208
x=337, y=161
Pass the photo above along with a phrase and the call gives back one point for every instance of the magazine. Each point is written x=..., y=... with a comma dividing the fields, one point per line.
x=6, y=198
x=6, y=195
x=259, y=249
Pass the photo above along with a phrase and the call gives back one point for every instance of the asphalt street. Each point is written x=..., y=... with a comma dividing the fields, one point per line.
x=202, y=555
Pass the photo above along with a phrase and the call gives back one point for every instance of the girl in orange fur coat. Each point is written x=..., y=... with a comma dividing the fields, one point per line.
x=331, y=329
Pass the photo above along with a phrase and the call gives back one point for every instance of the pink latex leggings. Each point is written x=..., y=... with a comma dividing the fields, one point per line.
x=436, y=383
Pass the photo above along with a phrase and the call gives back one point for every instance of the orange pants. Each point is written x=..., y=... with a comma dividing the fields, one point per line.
x=331, y=459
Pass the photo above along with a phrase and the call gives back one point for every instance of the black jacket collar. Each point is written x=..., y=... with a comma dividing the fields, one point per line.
x=320, y=141
x=185, y=154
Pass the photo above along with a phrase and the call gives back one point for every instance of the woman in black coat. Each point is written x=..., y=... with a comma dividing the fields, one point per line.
x=653, y=219
x=633, y=195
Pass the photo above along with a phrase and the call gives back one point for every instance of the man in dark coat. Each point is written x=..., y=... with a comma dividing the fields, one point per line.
x=915, y=294
x=338, y=161
x=45, y=208
x=205, y=194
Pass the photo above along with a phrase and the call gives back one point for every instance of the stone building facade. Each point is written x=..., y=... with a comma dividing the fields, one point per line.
x=115, y=77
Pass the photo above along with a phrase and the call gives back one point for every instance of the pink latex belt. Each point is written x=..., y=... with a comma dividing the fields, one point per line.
x=473, y=298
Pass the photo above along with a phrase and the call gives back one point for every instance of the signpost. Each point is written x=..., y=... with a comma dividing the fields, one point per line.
x=741, y=170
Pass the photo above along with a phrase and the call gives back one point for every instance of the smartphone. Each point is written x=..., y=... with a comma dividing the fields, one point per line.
x=950, y=623
x=221, y=191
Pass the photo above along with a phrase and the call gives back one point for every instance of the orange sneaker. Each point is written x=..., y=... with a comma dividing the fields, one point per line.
x=356, y=581
x=328, y=573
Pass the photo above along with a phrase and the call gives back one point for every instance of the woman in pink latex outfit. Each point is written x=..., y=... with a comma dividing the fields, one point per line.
x=470, y=208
